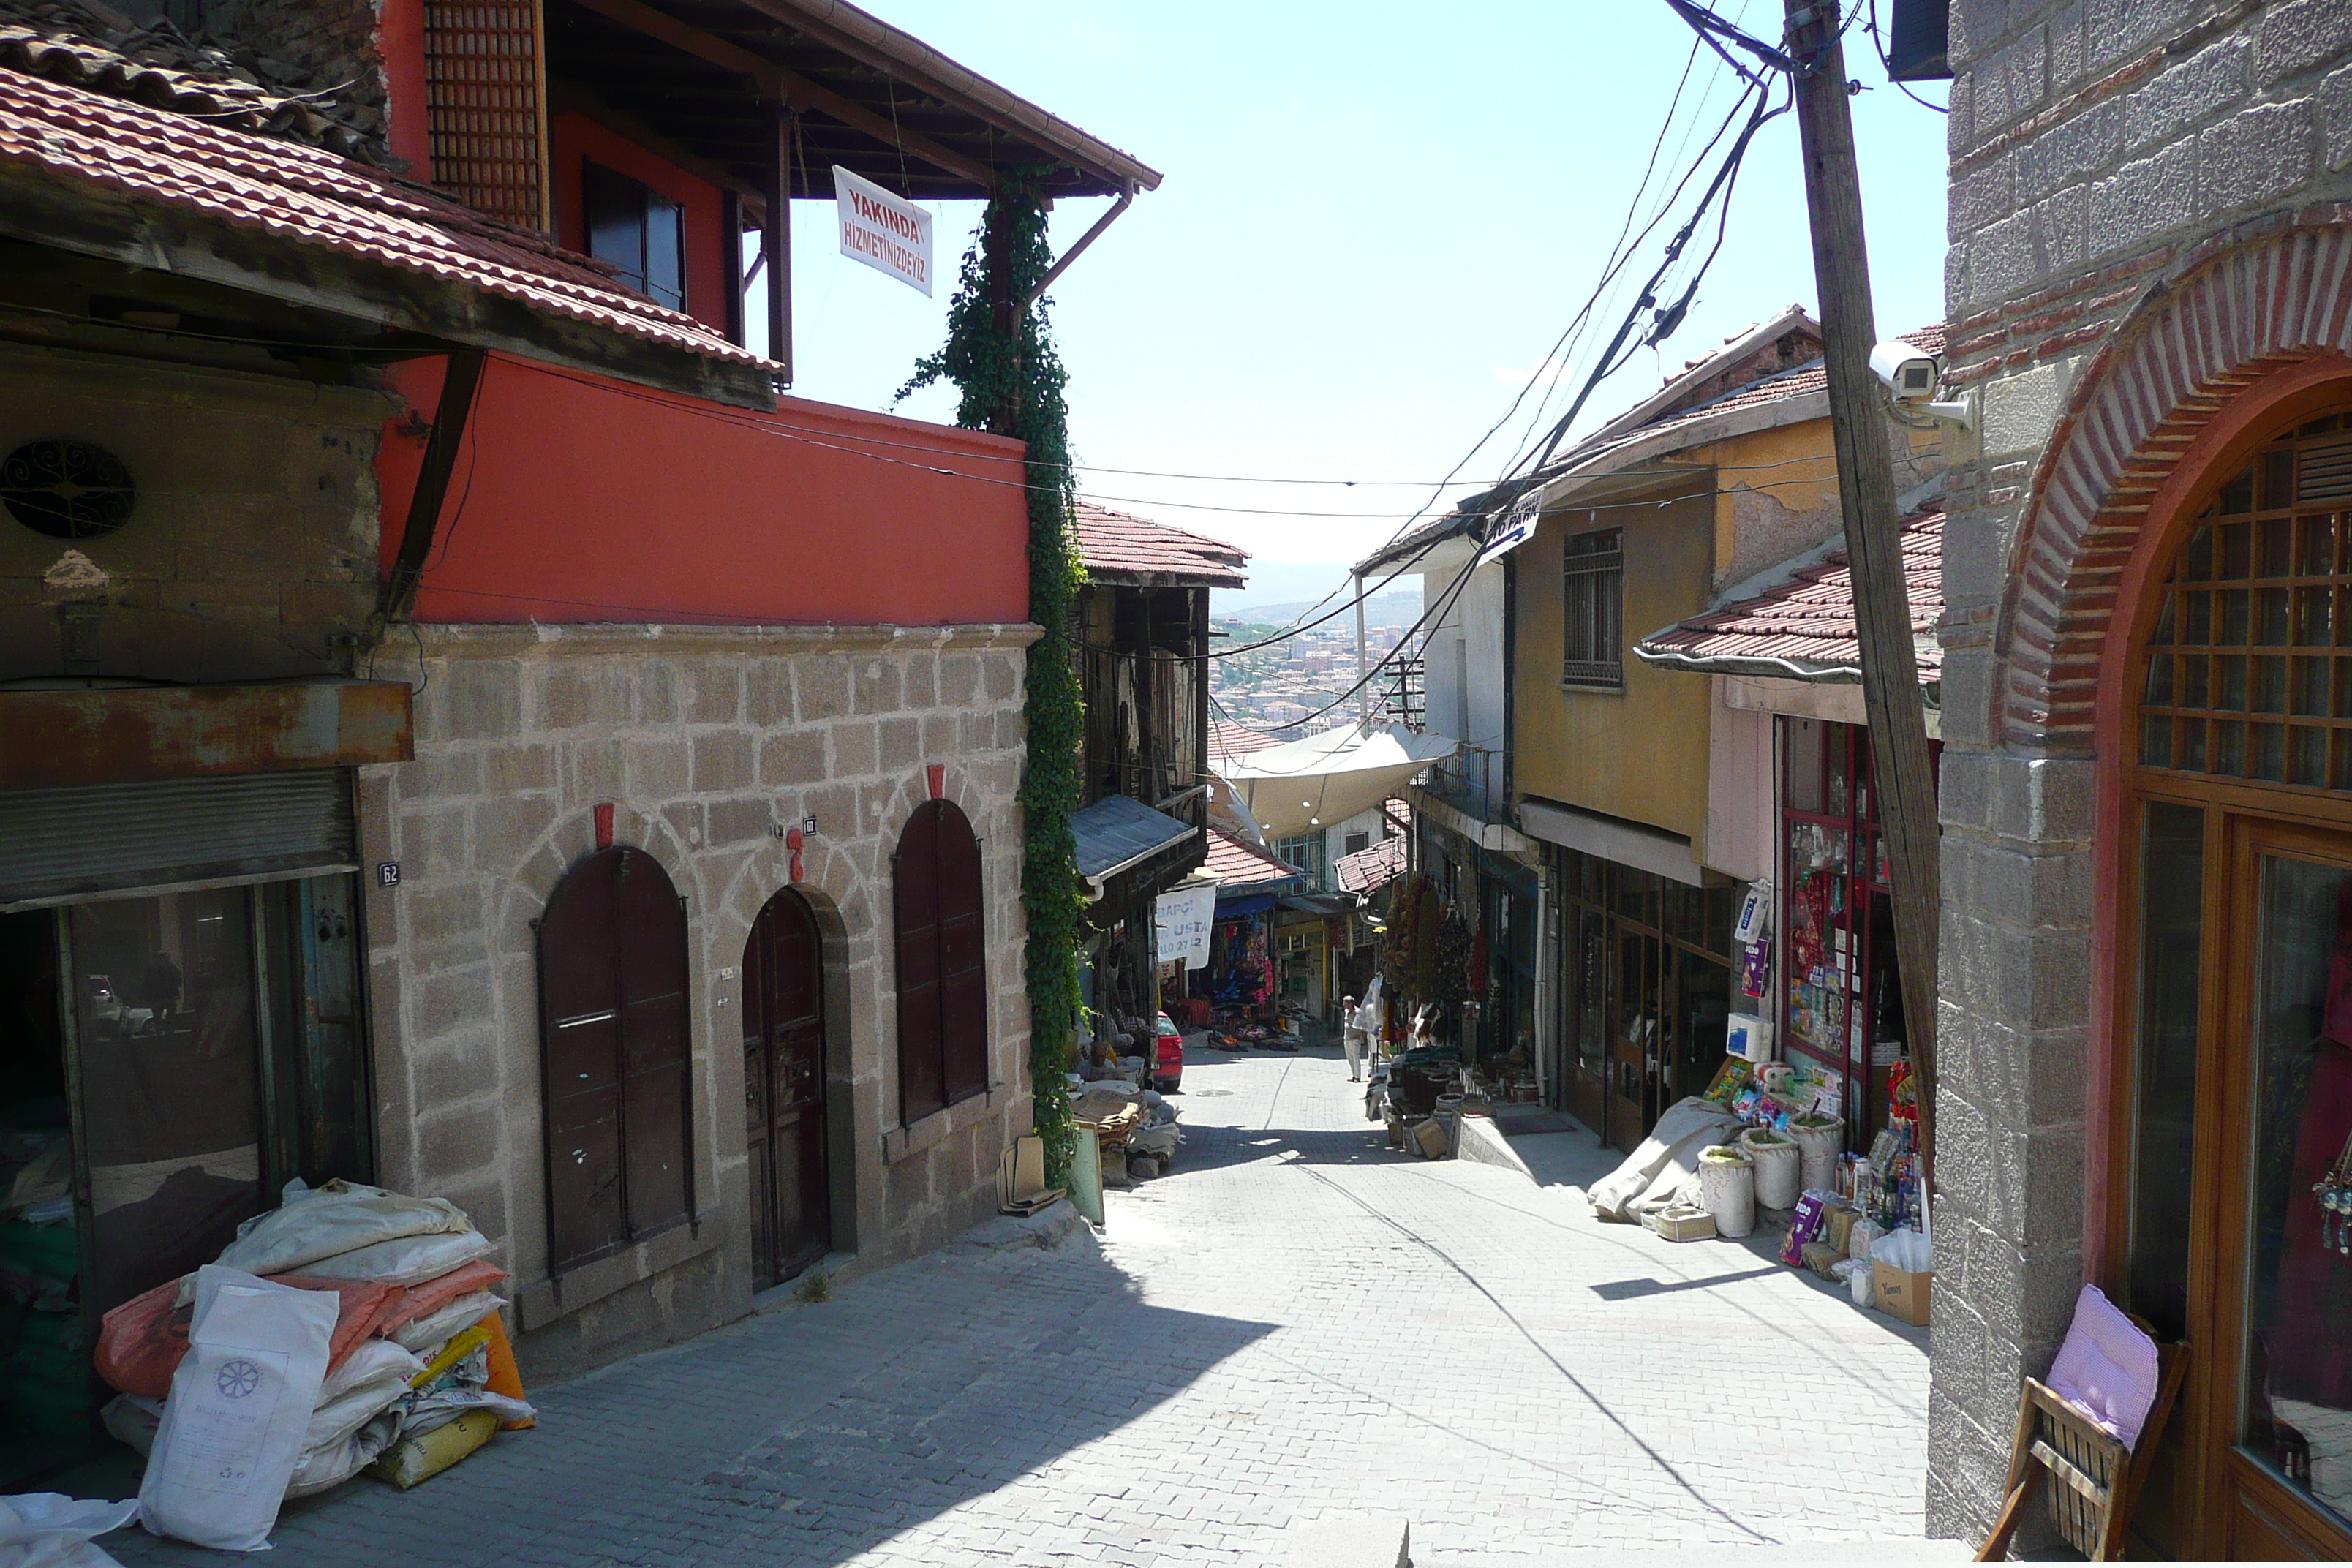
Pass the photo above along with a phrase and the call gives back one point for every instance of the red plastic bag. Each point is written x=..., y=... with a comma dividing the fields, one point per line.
x=417, y=1300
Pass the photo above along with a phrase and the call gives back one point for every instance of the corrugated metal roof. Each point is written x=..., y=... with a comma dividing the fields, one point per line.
x=1117, y=545
x=309, y=197
x=1802, y=626
x=1118, y=830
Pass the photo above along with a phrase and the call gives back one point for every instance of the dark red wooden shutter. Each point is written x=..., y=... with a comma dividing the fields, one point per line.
x=964, y=958
x=942, y=962
x=580, y=1033
x=616, y=1047
x=922, y=1079
x=653, y=1044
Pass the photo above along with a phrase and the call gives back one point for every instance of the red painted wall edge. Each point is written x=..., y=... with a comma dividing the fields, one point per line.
x=579, y=500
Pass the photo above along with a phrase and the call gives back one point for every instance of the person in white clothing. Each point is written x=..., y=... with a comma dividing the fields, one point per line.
x=1351, y=1032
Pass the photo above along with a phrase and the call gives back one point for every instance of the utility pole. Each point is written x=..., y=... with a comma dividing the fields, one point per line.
x=1890, y=667
x=1363, y=665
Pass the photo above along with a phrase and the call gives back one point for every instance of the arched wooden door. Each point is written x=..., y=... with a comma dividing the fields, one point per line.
x=783, y=1090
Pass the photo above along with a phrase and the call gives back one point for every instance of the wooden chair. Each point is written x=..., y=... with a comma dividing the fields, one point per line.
x=2098, y=1479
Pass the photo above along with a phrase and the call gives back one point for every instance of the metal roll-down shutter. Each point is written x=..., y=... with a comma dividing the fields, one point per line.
x=57, y=846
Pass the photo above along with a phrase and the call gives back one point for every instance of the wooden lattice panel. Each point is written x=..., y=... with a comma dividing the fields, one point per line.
x=486, y=105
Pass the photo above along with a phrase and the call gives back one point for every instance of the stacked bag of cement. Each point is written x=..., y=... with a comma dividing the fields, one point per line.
x=368, y=1321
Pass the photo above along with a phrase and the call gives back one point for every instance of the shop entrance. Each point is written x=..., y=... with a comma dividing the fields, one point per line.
x=167, y=1063
x=2232, y=1179
x=784, y=1091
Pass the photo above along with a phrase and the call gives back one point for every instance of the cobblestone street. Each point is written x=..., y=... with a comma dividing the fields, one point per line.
x=1294, y=1323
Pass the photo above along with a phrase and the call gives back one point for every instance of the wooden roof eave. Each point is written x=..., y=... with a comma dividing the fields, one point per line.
x=88, y=218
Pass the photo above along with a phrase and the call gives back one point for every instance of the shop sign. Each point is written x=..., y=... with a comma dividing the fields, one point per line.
x=1516, y=528
x=1183, y=917
x=888, y=233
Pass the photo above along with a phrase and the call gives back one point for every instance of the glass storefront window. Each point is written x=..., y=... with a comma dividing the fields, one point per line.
x=2297, y=1354
x=170, y=1071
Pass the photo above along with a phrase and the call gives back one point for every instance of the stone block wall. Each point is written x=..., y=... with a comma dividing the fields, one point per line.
x=708, y=741
x=251, y=542
x=2101, y=152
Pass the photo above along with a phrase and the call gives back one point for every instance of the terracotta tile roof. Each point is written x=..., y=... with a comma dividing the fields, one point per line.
x=1230, y=740
x=1117, y=545
x=153, y=62
x=309, y=197
x=1371, y=868
x=1801, y=381
x=1802, y=626
x=1232, y=861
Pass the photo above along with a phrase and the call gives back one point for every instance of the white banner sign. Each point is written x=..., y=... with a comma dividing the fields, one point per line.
x=888, y=233
x=1183, y=918
x=1516, y=528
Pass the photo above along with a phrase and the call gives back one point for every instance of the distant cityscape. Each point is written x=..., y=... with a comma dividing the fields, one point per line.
x=1303, y=683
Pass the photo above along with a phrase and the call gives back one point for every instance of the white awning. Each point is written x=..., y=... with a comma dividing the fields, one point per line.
x=1303, y=785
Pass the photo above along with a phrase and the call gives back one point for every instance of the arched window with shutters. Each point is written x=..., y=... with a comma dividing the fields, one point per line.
x=942, y=962
x=614, y=1050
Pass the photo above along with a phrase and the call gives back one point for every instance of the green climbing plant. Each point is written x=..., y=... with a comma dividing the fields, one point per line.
x=999, y=355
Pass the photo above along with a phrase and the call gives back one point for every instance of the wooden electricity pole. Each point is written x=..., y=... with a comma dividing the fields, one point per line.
x=1904, y=783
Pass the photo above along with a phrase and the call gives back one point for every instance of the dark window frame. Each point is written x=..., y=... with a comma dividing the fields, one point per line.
x=1593, y=610
x=639, y=1013
x=939, y=939
x=617, y=206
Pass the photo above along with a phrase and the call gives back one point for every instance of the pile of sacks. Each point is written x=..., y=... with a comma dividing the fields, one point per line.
x=393, y=1293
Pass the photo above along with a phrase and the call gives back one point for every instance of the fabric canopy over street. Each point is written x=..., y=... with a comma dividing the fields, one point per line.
x=1118, y=832
x=1301, y=786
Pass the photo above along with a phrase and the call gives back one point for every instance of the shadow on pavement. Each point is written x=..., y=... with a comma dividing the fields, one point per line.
x=805, y=1436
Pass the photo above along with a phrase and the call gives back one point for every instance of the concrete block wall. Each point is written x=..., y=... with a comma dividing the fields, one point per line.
x=707, y=740
x=2101, y=153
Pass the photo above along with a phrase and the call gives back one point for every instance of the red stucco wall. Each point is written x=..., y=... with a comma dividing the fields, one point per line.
x=576, y=499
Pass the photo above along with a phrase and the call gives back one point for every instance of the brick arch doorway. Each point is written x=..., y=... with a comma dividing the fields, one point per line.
x=784, y=1086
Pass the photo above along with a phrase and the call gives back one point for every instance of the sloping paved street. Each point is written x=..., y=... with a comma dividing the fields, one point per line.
x=1294, y=1323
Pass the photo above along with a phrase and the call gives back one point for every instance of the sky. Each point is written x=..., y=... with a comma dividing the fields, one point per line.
x=1374, y=222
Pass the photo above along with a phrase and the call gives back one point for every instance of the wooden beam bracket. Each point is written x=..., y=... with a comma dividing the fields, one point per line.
x=459, y=387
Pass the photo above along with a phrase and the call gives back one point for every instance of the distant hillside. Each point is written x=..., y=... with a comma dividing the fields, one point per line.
x=1393, y=608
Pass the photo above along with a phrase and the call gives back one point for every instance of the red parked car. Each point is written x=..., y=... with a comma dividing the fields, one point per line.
x=1167, y=1058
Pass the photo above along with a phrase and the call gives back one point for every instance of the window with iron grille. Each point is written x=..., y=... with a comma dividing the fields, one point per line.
x=640, y=231
x=942, y=962
x=1593, y=610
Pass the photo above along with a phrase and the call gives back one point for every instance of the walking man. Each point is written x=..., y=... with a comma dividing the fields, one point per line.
x=1352, y=1033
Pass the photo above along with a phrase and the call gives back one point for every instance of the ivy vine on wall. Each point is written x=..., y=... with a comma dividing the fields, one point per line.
x=999, y=355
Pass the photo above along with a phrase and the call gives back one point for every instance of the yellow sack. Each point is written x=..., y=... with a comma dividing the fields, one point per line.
x=415, y=1459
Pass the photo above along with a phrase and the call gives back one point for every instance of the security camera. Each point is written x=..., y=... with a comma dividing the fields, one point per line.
x=1909, y=375
x=1910, y=378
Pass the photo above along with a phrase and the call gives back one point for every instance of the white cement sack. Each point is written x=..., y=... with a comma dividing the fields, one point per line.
x=404, y=1260
x=434, y=1327
x=338, y=1217
x=131, y=1420
x=433, y=1411
x=239, y=1409
x=50, y=1530
x=355, y=1393
x=325, y=1468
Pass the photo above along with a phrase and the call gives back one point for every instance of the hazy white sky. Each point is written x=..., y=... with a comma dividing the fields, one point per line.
x=1375, y=221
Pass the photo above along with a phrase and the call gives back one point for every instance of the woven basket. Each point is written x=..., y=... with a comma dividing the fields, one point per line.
x=1779, y=1169
x=1726, y=1189
x=1818, y=1149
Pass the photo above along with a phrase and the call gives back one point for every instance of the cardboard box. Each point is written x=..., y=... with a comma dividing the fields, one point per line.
x=1902, y=1294
x=1684, y=1223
